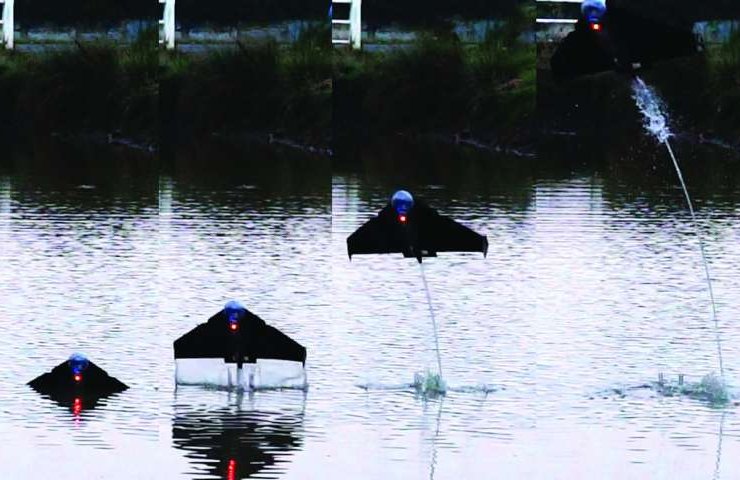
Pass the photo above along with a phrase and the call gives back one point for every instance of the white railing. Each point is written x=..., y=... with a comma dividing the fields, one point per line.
x=8, y=26
x=558, y=20
x=351, y=25
x=167, y=32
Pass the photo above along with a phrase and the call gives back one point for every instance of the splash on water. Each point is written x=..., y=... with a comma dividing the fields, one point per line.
x=651, y=107
x=711, y=389
x=429, y=383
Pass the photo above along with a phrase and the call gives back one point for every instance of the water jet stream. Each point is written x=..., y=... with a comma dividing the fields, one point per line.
x=434, y=321
x=650, y=105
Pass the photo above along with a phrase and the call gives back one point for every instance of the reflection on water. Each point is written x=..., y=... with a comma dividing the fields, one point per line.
x=247, y=436
x=593, y=281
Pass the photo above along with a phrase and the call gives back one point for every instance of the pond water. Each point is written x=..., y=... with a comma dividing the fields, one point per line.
x=593, y=282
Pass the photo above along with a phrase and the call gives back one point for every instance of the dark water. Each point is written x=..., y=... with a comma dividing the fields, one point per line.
x=593, y=281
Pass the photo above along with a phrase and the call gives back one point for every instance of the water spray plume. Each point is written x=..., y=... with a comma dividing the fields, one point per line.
x=652, y=110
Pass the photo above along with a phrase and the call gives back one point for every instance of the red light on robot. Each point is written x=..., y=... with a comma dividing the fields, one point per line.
x=402, y=218
x=233, y=326
x=231, y=471
x=596, y=27
x=78, y=377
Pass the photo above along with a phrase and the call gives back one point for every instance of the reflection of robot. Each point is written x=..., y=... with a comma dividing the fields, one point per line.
x=608, y=37
x=230, y=443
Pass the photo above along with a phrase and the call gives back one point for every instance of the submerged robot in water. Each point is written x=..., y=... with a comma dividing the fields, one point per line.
x=77, y=382
x=236, y=348
x=407, y=225
x=609, y=37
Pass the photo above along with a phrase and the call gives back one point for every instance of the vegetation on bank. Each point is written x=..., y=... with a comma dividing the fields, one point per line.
x=95, y=87
x=438, y=85
x=724, y=66
x=251, y=89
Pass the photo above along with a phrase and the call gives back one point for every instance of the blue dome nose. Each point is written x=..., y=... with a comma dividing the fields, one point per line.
x=234, y=311
x=593, y=10
x=402, y=201
x=78, y=363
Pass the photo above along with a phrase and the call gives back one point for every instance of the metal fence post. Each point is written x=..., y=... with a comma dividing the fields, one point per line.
x=355, y=24
x=8, y=25
x=168, y=24
x=352, y=25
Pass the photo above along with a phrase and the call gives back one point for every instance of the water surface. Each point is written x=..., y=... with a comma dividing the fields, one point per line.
x=593, y=281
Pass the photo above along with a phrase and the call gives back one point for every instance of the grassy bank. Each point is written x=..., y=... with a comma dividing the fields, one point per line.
x=93, y=88
x=437, y=85
x=255, y=88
